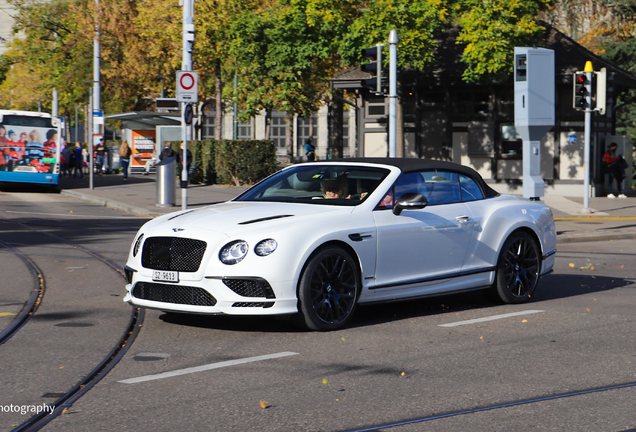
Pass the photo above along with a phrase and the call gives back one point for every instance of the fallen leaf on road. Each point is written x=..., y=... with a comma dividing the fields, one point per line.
x=481, y=337
x=402, y=374
x=588, y=309
x=264, y=404
x=324, y=381
x=343, y=339
x=572, y=265
x=524, y=321
x=61, y=367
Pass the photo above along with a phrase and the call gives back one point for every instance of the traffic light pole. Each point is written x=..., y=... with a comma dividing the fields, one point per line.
x=589, y=71
x=393, y=41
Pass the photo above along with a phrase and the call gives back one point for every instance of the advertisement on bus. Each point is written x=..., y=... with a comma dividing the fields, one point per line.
x=28, y=145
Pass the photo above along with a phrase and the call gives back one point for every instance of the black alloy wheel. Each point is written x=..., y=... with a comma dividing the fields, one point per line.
x=328, y=289
x=518, y=268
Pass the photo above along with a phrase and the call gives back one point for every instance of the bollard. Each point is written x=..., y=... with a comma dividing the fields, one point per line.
x=165, y=182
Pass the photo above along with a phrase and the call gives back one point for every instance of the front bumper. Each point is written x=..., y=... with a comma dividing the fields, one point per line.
x=210, y=296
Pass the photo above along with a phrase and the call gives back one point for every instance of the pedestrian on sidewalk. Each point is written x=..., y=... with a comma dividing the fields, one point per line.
x=67, y=158
x=78, y=161
x=616, y=169
x=151, y=162
x=100, y=151
x=124, y=157
x=167, y=151
x=180, y=160
x=310, y=150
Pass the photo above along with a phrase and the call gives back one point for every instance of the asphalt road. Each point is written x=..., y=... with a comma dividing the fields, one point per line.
x=397, y=363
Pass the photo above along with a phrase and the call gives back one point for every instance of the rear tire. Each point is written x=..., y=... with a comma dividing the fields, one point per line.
x=518, y=269
x=328, y=289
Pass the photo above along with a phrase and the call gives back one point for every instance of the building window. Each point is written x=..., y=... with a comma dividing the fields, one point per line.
x=209, y=124
x=376, y=107
x=278, y=129
x=471, y=104
x=511, y=143
x=345, y=134
x=244, y=130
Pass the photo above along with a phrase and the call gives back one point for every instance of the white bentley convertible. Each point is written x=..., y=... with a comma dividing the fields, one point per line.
x=319, y=238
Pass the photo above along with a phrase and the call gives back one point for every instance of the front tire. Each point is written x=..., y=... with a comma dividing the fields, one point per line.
x=328, y=289
x=518, y=269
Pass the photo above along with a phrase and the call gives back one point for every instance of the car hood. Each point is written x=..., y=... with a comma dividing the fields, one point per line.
x=232, y=216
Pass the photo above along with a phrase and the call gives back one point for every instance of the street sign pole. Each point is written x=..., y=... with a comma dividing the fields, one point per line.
x=186, y=65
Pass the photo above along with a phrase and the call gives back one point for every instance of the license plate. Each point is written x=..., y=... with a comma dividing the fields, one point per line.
x=165, y=276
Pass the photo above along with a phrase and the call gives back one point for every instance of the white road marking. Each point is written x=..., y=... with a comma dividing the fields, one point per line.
x=490, y=318
x=206, y=367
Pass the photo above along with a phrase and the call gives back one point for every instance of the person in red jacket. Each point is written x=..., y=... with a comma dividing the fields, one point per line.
x=616, y=170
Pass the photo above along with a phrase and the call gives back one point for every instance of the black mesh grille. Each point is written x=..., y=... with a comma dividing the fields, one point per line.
x=250, y=287
x=173, y=253
x=264, y=305
x=173, y=294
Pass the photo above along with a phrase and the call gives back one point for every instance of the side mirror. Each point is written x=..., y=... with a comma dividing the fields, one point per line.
x=410, y=201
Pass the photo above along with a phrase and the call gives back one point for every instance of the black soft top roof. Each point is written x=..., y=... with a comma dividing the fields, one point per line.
x=408, y=165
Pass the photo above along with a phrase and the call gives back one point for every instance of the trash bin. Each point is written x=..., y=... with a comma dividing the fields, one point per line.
x=112, y=161
x=165, y=182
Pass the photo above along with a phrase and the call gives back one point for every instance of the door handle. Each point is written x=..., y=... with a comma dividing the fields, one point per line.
x=462, y=219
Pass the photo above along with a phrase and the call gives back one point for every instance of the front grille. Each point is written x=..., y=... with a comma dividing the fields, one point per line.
x=178, y=294
x=173, y=253
x=252, y=287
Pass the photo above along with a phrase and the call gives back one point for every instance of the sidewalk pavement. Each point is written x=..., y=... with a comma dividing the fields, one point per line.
x=609, y=219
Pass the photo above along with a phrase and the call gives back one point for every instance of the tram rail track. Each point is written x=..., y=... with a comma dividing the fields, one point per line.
x=135, y=323
x=34, y=299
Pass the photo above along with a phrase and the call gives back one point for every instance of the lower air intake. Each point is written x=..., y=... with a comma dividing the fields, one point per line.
x=177, y=294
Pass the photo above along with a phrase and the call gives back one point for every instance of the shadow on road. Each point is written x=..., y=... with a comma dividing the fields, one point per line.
x=552, y=287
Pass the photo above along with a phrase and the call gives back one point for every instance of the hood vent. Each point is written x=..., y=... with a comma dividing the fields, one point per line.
x=264, y=219
x=182, y=214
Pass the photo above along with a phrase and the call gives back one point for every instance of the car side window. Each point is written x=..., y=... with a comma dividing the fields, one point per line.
x=469, y=189
x=442, y=187
x=406, y=183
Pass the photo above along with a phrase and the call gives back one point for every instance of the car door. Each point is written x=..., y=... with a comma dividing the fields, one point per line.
x=422, y=245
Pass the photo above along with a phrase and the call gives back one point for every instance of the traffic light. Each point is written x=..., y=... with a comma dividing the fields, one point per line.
x=374, y=68
x=188, y=37
x=600, y=91
x=580, y=91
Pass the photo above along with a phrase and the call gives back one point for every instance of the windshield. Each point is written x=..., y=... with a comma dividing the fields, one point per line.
x=344, y=185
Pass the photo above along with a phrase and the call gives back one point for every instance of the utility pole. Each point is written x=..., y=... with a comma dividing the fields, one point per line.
x=90, y=146
x=96, y=76
x=393, y=41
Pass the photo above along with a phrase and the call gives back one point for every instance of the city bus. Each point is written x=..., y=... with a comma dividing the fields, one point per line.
x=29, y=147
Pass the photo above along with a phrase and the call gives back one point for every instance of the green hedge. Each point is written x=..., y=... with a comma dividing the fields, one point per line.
x=236, y=162
x=244, y=161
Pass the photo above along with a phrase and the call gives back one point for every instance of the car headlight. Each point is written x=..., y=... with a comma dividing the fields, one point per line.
x=233, y=252
x=265, y=247
x=137, y=245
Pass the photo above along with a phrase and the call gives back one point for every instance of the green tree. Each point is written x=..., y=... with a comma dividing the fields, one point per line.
x=284, y=55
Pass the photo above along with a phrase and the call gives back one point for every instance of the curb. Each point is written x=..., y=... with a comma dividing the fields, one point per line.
x=113, y=204
x=592, y=237
x=593, y=218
